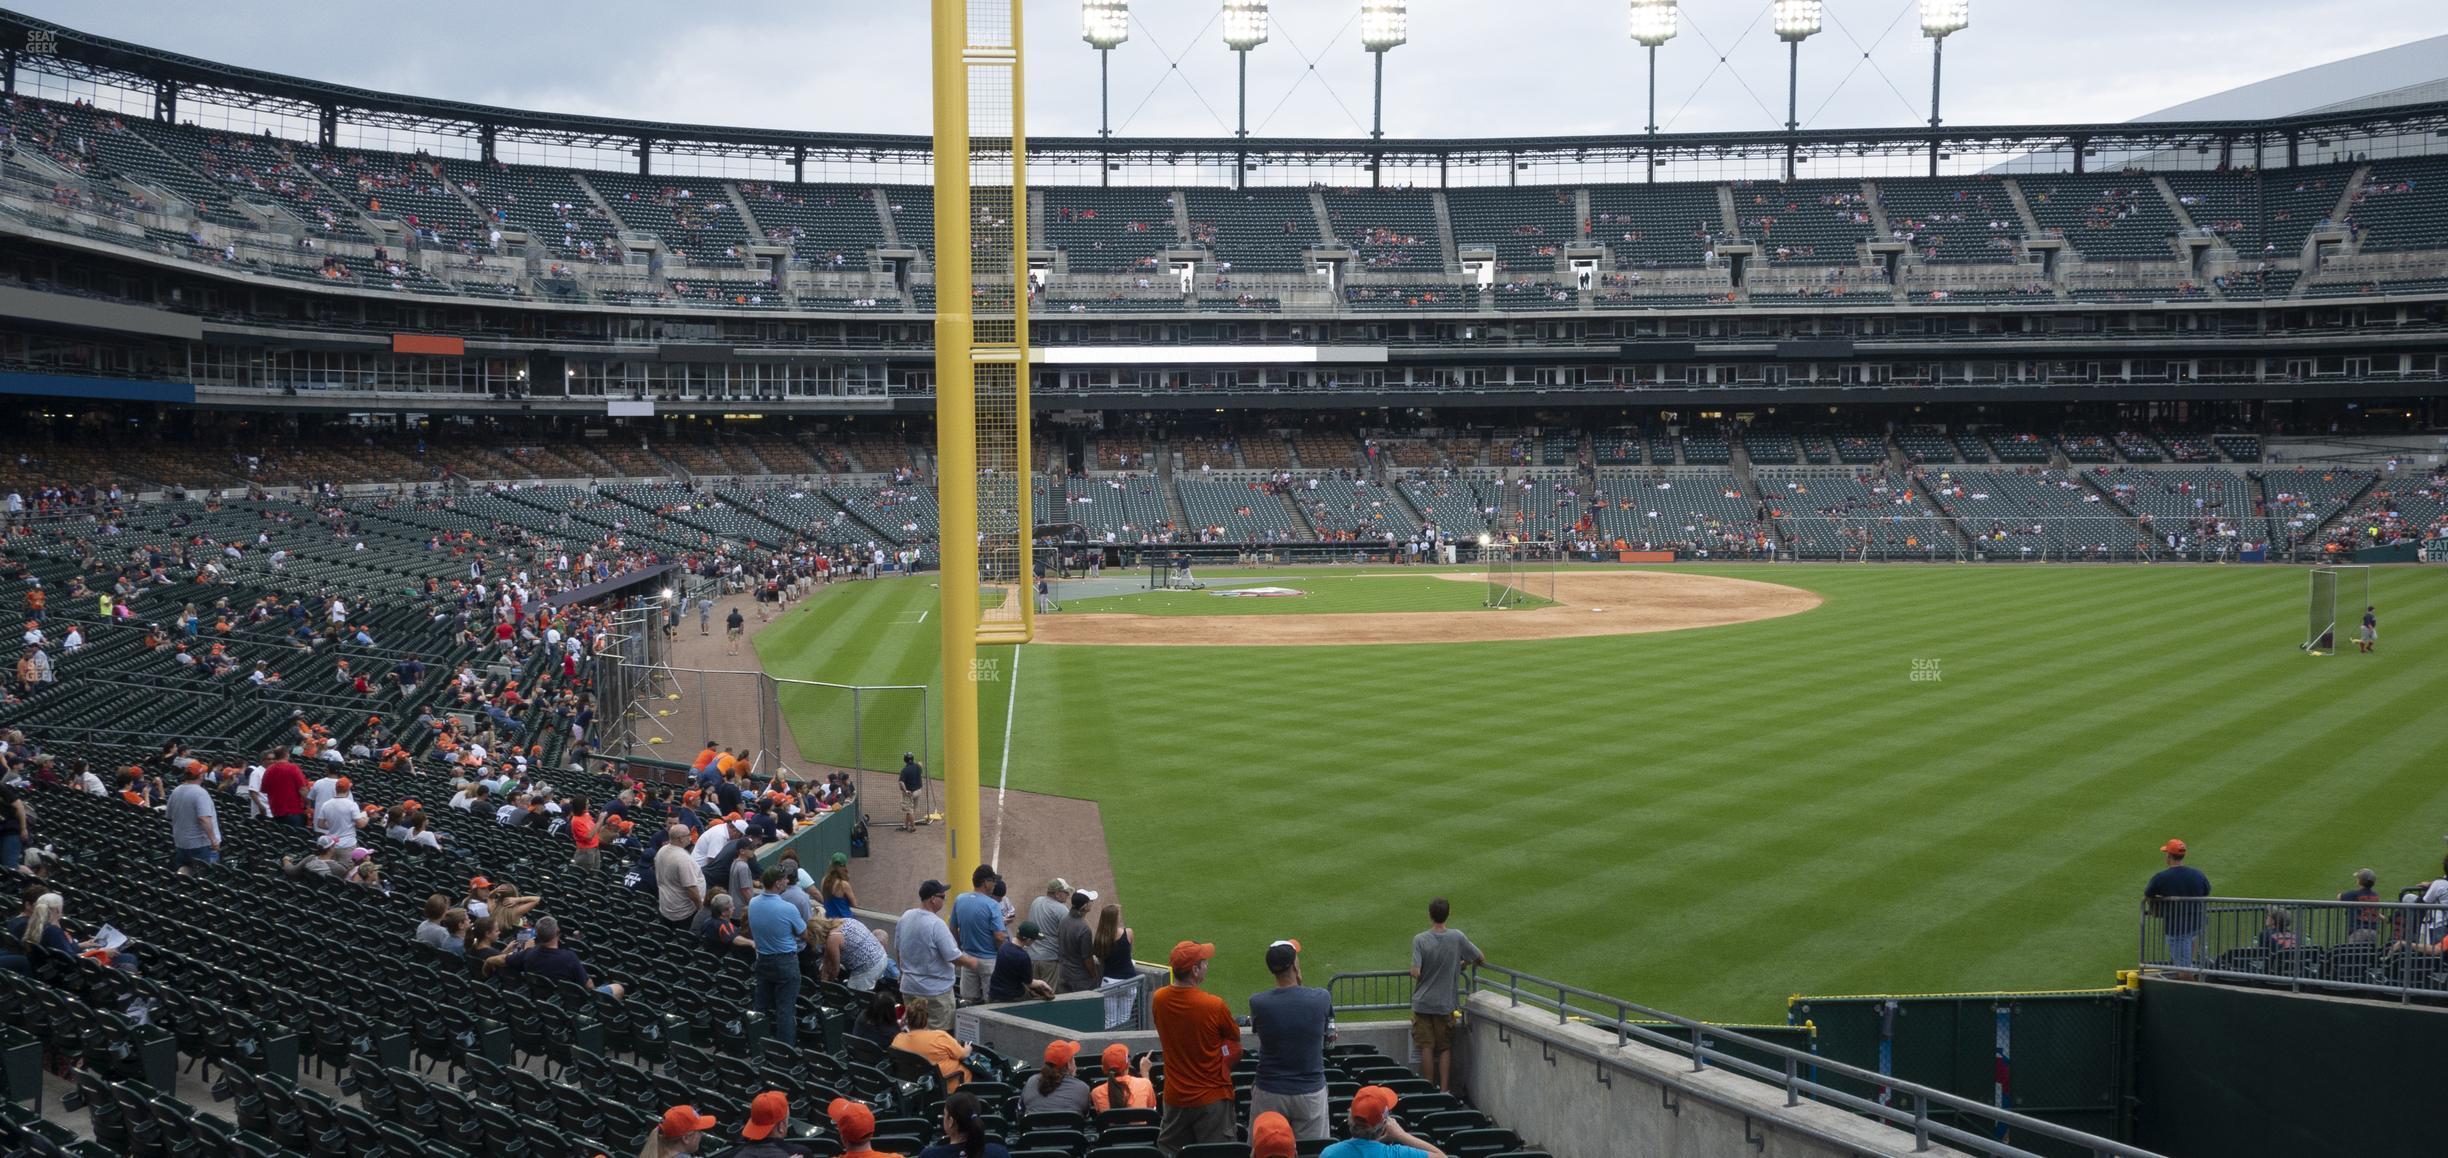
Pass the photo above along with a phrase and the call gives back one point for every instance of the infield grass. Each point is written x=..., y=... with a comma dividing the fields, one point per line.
x=1711, y=820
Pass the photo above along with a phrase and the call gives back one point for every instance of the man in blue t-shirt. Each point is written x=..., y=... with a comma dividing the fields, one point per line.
x=1294, y=1023
x=775, y=925
x=977, y=926
x=2174, y=896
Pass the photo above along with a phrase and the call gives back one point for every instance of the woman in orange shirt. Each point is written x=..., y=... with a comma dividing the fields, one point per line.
x=935, y=1045
x=1133, y=1089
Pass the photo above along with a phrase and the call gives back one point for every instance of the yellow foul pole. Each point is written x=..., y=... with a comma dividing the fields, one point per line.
x=956, y=439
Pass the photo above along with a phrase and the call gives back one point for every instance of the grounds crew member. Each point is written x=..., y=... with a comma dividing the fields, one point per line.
x=913, y=782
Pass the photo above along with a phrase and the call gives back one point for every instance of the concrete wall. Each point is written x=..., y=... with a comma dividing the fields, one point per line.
x=1543, y=1081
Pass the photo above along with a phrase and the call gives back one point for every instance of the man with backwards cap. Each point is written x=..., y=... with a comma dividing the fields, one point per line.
x=1201, y=1042
x=681, y=1131
x=1375, y=1133
x=1293, y=1022
x=767, y=1133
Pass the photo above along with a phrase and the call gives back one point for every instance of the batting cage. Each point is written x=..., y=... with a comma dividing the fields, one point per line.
x=2335, y=590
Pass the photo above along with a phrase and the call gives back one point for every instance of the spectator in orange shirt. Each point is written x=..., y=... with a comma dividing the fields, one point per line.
x=1123, y=1085
x=585, y=833
x=1201, y=1042
x=946, y=1051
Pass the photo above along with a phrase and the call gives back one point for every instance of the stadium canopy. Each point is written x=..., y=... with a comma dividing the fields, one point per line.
x=175, y=81
x=2409, y=74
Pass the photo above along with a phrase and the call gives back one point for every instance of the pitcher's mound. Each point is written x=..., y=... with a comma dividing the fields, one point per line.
x=1587, y=603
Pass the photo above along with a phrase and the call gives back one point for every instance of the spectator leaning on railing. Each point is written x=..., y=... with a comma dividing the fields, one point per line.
x=2174, y=895
x=1438, y=956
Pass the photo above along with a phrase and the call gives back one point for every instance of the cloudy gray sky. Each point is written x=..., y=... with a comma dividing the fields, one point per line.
x=1474, y=68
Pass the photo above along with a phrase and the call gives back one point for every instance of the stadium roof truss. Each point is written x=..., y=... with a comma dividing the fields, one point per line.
x=172, y=78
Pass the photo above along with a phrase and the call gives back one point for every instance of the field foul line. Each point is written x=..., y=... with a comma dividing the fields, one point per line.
x=922, y=616
x=1003, y=774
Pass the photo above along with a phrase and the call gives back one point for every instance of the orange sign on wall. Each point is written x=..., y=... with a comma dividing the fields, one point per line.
x=428, y=344
x=1644, y=556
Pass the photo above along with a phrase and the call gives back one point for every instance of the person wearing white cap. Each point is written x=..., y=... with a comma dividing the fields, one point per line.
x=324, y=863
x=1075, y=946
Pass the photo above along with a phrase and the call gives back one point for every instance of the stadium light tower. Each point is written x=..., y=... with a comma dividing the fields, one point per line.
x=1245, y=28
x=1104, y=24
x=1796, y=21
x=1654, y=22
x=1938, y=18
x=1384, y=24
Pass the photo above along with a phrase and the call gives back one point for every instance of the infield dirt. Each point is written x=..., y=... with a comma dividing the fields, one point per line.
x=1586, y=603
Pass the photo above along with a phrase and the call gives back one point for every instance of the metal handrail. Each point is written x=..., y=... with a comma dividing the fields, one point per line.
x=2403, y=989
x=1624, y=1018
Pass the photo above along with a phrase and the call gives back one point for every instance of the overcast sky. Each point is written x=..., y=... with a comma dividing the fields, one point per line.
x=1473, y=68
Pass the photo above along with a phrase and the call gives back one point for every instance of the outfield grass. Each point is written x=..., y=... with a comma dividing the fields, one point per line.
x=1321, y=593
x=1710, y=820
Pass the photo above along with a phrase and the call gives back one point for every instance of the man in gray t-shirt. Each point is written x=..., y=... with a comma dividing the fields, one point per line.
x=1047, y=912
x=195, y=828
x=1437, y=959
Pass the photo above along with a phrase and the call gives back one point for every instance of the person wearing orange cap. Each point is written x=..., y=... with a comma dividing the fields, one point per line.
x=1201, y=1042
x=1057, y=1085
x=856, y=1125
x=338, y=817
x=1375, y=1133
x=767, y=1134
x=1124, y=1085
x=681, y=1131
x=2174, y=896
x=1271, y=1137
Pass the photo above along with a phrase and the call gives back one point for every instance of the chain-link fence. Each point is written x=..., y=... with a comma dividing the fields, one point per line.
x=853, y=727
x=804, y=727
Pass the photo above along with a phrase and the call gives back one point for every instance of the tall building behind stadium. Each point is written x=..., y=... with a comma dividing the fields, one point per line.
x=435, y=445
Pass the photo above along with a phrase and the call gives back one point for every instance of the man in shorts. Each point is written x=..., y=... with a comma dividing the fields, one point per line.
x=1437, y=959
x=913, y=782
x=2370, y=639
x=732, y=627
